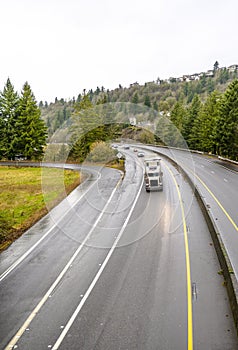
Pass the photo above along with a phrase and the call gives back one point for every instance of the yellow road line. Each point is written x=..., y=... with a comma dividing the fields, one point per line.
x=215, y=198
x=188, y=270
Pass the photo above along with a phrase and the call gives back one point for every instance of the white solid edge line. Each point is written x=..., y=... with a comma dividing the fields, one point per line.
x=19, y=260
x=26, y=324
x=86, y=295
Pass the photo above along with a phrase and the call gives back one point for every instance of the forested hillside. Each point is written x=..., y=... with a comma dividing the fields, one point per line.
x=203, y=107
x=160, y=95
x=200, y=110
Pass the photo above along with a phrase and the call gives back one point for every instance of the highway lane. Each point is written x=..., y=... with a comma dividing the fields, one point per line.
x=49, y=257
x=219, y=187
x=64, y=238
x=222, y=181
x=86, y=201
x=140, y=299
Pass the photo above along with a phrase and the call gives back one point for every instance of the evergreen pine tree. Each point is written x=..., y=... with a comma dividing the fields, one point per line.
x=48, y=122
x=223, y=76
x=216, y=66
x=147, y=101
x=135, y=98
x=210, y=85
x=203, y=80
x=2, y=138
x=30, y=128
x=9, y=101
x=178, y=116
x=79, y=98
x=190, y=130
x=155, y=106
x=206, y=122
x=227, y=123
x=186, y=89
x=97, y=92
x=65, y=116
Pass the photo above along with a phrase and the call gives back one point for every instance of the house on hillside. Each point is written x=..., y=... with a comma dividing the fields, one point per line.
x=210, y=73
x=132, y=120
x=134, y=84
x=195, y=76
x=186, y=78
x=233, y=68
x=200, y=75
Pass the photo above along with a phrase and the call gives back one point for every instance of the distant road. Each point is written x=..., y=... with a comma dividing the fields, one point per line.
x=114, y=267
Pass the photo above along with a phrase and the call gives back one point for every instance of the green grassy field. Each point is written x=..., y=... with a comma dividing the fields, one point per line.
x=27, y=194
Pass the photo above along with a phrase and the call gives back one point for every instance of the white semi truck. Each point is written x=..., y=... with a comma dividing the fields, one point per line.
x=153, y=175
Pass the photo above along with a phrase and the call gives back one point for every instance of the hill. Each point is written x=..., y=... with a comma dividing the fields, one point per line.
x=161, y=95
x=199, y=110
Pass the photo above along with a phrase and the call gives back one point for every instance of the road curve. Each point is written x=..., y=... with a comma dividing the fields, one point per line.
x=145, y=277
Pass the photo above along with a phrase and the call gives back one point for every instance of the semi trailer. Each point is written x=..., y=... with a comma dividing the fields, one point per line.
x=153, y=175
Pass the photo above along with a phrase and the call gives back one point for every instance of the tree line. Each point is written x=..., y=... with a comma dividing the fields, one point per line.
x=204, y=111
x=23, y=132
x=160, y=95
x=211, y=126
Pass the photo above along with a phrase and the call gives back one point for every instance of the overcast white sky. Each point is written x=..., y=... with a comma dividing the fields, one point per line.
x=63, y=46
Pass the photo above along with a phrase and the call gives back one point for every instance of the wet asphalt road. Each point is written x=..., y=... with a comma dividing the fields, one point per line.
x=217, y=182
x=126, y=285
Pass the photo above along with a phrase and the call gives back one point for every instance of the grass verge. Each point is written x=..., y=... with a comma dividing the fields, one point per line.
x=27, y=194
